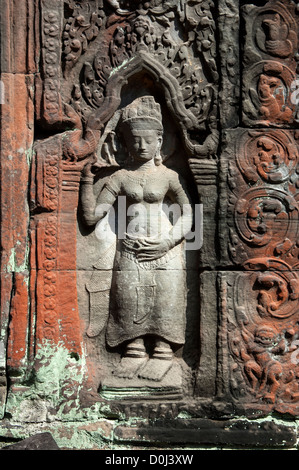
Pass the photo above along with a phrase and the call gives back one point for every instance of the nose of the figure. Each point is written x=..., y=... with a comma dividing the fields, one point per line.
x=142, y=144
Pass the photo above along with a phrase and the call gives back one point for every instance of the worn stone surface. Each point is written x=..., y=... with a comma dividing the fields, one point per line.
x=260, y=367
x=157, y=102
x=258, y=206
x=42, y=441
x=217, y=433
x=269, y=64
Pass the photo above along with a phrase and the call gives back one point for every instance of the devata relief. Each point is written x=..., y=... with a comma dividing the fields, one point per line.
x=150, y=210
x=148, y=280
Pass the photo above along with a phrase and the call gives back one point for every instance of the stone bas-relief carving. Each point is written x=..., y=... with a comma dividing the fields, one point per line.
x=97, y=322
x=270, y=64
x=129, y=61
x=260, y=319
x=112, y=54
x=153, y=33
x=267, y=94
x=262, y=192
x=261, y=323
x=148, y=282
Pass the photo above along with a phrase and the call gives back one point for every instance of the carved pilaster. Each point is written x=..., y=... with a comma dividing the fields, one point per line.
x=51, y=31
x=54, y=199
x=205, y=173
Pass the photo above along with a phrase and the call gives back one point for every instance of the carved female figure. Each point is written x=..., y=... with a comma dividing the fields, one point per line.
x=148, y=291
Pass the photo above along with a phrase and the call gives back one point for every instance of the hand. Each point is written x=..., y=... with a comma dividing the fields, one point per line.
x=86, y=172
x=150, y=250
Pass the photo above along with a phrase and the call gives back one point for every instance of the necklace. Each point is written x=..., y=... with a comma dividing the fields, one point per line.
x=141, y=176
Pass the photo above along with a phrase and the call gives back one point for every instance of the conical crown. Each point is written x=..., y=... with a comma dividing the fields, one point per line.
x=143, y=113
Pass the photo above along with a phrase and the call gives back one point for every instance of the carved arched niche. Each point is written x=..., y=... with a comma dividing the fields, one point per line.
x=107, y=59
x=96, y=245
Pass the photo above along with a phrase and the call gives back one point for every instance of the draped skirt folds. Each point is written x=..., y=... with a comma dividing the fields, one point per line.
x=148, y=298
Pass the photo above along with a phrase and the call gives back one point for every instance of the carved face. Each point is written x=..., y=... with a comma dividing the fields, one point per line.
x=266, y=336
x=119, y=36
x=143, y=144
x=141, y=26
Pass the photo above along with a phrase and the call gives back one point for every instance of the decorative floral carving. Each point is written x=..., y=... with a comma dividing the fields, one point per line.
x=268, y=158
x=150, y=30
x=262, y=330
x=51, y=181
x=80, y=29
x=265, y=218
x=259, y=211
x=51, y=62
x=48, y=321
x=263, y=196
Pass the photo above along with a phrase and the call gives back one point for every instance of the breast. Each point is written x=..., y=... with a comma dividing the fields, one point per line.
x=154, y=192
x=133, y=191
x=135, y=195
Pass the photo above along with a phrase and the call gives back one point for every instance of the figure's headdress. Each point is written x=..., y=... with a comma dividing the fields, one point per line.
x=143, y=113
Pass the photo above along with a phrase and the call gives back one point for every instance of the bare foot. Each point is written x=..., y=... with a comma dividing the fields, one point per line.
x=134, y=357
x=135, y=349
x=155, y=369
x=129, y=366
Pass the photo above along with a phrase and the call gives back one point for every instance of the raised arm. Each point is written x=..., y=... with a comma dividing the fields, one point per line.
x=95, y=208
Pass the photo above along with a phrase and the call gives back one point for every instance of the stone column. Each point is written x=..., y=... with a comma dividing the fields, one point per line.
x=19, y=52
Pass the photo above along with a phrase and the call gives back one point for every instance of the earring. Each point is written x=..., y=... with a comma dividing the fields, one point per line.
x=158, y=159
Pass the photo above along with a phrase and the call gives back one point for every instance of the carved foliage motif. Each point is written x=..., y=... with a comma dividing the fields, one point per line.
x=51, y=182
x=80, y=29
x=271, y=158
x=46, y=173
x=263, y=197
x=53, y=199
x=230, y=62
x=48, y=319
x=262, y=216
x=187, y=55
x=51, y=31
x=45, y=199
x=270, y=64
x=262, y=332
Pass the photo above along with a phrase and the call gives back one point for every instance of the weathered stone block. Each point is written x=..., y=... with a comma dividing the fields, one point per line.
x=42, y=441
x=259, y=189
x=269, y=64
x=210, y=433
x=258, y=334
